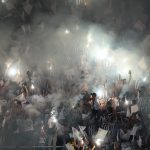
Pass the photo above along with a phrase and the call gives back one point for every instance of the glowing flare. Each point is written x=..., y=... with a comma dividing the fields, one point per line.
x=67, y=31
x=8, y=65
x=100, y=93
x=54, y=119
x=50, y=67
x=144, y=79
x=126, y=102
x=12, y=72
x=98, y=142
x=3, y=1
x=101, y=54
x=32, y=87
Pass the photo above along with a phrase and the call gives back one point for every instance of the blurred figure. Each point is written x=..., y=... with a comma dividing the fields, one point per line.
x=24, y=90
x=42, y=136
x=52, y=133
x=27, y=130
x=29, y=74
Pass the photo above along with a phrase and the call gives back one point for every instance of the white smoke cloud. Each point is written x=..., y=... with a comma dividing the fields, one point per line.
x=60, y=41
x=31, y=110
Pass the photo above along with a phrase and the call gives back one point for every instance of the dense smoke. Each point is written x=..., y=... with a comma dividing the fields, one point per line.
x=60, y=46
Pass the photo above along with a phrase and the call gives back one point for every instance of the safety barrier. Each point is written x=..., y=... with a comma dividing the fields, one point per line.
x=31, y=147
x=144, y=105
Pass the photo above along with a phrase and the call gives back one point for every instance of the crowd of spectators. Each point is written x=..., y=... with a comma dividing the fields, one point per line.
x=31, y=119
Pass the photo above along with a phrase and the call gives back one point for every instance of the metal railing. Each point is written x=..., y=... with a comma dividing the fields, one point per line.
x=30, y=147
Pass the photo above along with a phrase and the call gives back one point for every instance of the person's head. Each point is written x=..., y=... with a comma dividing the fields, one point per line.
x=24, y=84
x=93, y=96
x=17, y=102
x=102, y=104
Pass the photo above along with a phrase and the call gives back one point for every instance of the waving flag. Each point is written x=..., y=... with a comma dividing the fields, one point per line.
x=82, y=128
x=69, y=146
x=101, y=134
x=76, y=134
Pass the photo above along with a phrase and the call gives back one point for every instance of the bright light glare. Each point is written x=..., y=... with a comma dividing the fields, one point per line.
x=54, y=119
x=52, y=112
x=82, y=142
x=99, y=93
x=32, y=87
x=144, y=79
x=50, y=67
x=67, y=31
x=8, y=65
x=98, y=142
x=126, y=102
x=3, y=1
x=12, y=72
x=101, y=54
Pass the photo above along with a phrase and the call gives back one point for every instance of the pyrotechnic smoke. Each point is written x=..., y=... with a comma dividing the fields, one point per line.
x=66, y=45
